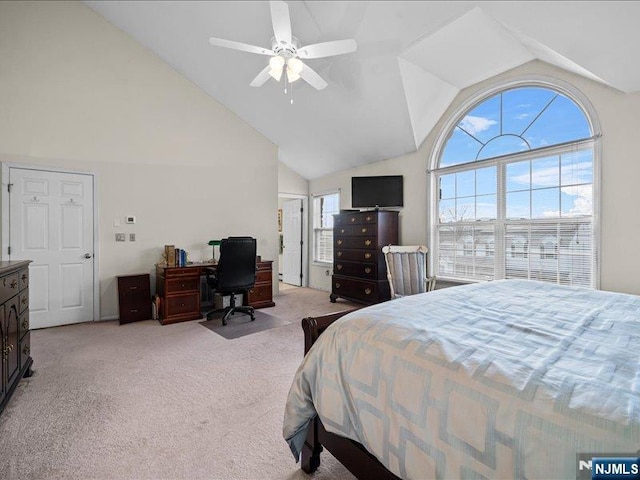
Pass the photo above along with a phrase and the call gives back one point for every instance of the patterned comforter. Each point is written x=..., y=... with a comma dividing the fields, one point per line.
x=505, y=379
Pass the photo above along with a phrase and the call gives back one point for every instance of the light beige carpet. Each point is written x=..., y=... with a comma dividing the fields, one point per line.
x=145, y=401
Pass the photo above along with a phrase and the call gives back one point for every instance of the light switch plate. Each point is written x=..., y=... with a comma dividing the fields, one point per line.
x=130, y=219
x=132, y=237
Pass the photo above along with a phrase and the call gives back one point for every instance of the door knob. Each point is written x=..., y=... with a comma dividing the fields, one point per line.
x=87, y=255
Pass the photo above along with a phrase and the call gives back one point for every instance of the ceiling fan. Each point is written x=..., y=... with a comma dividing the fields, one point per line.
x=286, y=51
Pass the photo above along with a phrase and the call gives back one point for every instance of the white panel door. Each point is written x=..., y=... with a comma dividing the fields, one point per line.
x=292, y=242
x=51, y=224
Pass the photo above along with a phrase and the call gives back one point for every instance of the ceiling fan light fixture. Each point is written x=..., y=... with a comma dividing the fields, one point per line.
x=295, y=65
x=276, y=63
x=291, y=75
x=276, y=74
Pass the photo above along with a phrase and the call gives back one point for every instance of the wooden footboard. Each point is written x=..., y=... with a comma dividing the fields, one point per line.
x=351, y=454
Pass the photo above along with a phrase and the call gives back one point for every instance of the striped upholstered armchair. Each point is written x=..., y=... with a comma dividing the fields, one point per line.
x=407, y=270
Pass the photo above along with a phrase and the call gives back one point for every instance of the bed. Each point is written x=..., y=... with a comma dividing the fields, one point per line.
x=503, y=379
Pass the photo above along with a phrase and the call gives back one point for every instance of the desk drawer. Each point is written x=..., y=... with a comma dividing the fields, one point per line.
x=182, y=272
x=187, y=303
x=260, y=294
x=263, y=276
x=186, y=284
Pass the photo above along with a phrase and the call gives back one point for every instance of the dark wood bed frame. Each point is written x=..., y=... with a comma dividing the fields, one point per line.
x=351, y=454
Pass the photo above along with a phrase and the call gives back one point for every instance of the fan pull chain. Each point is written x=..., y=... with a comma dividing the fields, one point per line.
x=285, y=83
x=291, y=95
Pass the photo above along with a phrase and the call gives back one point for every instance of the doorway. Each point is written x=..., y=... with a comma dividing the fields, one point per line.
x=48, y=217
x=292, y=229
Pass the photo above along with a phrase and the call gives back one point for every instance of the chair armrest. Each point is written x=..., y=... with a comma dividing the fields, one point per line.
x=431, y=283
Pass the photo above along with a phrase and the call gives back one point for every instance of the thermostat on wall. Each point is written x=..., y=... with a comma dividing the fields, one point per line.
x=130, y=219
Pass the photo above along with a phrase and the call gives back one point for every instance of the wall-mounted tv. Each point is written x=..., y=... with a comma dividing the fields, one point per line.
x=382, y=191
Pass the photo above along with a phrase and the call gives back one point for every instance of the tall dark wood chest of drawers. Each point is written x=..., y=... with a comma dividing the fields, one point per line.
x=15, y=338
x=134, y=297
x=359, y=271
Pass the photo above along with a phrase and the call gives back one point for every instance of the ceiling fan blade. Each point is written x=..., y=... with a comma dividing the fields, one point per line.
x=261, y=78
x=312, y=78
x=281, y=22
x=328, y=49
x=245, y=47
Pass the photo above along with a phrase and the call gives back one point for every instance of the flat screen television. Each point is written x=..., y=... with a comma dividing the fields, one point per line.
x=381, y=191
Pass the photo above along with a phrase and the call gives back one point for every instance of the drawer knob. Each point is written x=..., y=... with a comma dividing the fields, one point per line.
x=369, y=218
x=133, y=310
x=14, y=284
x=367, y=291
x=339, y=242
x=339, y=254
x=353, y=219
x=367, y=242
x=364, y=230
x=24, y=300
x=25, y=324
x=342, y=230
x=367, y=255
x=337, y=285
x=24, y=277
x=339, y=267
x=133, y=288
x=367, y=270
x=26, y=349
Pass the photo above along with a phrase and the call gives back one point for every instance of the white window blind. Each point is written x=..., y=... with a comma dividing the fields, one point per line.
x=324, y=207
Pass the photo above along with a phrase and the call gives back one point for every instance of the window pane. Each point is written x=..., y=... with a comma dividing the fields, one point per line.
x=466, y=210
x=520, y=106
x=518, y=176
x=447, y=211
x=518, y=205
x=486, y=180
x=561, y=122
x=483, y=122
x=545, y=172
x=577, y=167
x=486, y=207
x=577, y=200
x=460, y=148
x=545, y=203
x=465, y=184
x=448, y=186
x=446, y=251
x=503, y=145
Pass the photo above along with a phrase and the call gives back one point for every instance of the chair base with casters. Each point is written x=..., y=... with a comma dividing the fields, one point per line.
x=232, y=309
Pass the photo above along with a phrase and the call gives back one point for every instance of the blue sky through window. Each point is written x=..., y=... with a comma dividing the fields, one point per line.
x=513, y=121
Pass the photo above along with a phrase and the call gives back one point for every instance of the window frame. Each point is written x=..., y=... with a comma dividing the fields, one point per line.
x=468, y=105
x=317, y=217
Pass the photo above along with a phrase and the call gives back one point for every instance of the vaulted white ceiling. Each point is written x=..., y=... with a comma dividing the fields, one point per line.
x=413, y=58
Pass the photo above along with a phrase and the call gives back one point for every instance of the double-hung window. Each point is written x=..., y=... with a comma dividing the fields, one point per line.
x=514, y=191
x=324, y=207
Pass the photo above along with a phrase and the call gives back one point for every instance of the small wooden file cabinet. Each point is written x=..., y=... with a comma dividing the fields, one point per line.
x=134, y=297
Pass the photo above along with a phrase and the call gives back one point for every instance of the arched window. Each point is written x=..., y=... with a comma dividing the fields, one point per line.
x=514, y=176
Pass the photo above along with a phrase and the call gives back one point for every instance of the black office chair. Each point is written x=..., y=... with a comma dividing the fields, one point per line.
x=235, y=273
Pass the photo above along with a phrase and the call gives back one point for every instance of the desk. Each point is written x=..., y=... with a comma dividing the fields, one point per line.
x=179, y=290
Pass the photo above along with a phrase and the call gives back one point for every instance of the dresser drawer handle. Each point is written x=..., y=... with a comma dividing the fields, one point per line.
x=367, y=242
x=369, y=218
x=367, y=291
x=14, y=284
x=339, y=267
x=24, y=277
x=24, y=300
x=353, y=219
x=337, y=285
x=342, y=230
x=134, y=310
x=364, y=230
x=339, y=254
x=25, y=324
x=26, y=349
x=339, y=242
x=367, y=255
x=367, y=270
x=133, y=288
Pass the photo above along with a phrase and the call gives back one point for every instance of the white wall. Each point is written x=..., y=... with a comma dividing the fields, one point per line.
x=77, y=93
x=291, y=182
x=620, y=123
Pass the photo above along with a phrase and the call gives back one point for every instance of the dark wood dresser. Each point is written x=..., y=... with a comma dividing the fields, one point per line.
x=15, y=338
x=134, y=297
x=359, y=271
